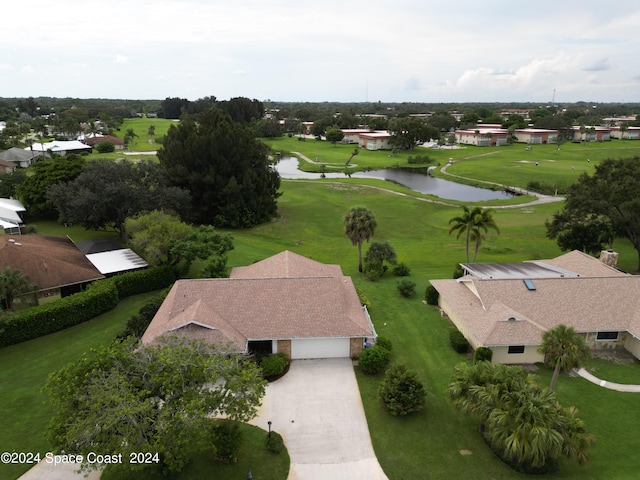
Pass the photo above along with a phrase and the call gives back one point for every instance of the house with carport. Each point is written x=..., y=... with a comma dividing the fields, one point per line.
x=536, y=136
x=284, y=303
x=507, y=307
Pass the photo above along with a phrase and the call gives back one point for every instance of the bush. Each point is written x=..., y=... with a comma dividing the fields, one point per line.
x=431, y=295
x=406, y=287
x=457, y=272
x=385, y=343
x=419, y=159
x=458, y=342
x=373, y=270
x=483, y=354
x=374, y=360
x=401, y=391
x=137, y=324
x=401, y=270
x=273, y=365
x=274, y=444
x=106, y=146
x=226, y=438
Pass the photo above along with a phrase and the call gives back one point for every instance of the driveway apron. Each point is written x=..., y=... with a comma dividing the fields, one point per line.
x=317, y=409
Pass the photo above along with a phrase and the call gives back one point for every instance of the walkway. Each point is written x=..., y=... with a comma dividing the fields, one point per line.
x=620, y=387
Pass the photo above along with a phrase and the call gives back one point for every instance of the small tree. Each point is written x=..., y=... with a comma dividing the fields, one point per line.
x=334, y=135
x=401, y=391
x=106, y=146
x=563, y=349
x=376, y=256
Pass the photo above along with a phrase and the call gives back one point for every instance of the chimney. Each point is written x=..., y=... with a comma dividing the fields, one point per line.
x=609, y=257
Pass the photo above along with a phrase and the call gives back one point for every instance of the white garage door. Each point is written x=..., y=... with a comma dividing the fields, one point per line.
x=319, y=348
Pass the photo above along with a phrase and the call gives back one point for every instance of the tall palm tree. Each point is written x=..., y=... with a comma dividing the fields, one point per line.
x=475, y=224
x=13, y=284
x=359, y=225
x=563, y=349
x=483, y=223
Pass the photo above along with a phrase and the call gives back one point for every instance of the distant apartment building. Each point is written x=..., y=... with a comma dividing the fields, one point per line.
x=625, y=133
x=483, y=136
x=378, y=140
x=536, y=136
x=591, y=134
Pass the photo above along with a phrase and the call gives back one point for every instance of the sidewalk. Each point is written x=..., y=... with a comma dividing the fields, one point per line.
x=620, y=387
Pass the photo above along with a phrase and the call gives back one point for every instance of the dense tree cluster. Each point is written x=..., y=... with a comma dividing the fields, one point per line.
x=106, y=193
x=227, y=171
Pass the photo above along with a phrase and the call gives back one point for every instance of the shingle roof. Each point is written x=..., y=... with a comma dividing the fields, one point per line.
x=601, y=298
x=49, y=261
x=239, y=309
x=287, y=264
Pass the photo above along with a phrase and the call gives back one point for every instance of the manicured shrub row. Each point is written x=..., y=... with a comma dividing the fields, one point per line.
x=99, y=297
x=142, y=281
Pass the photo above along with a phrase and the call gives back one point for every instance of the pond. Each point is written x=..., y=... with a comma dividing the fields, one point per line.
x=418, y=181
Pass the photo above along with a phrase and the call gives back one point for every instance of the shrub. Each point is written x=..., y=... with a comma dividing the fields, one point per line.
x=226, y=438
x=457, y=272
x=374, y=360
x=373, y=270
x=431, y=295
x=385, y=343
x=458, y=342
x=273, y=365
x=406, y=287
x=419, y=159
x=401, y=270
x=137, y=324
x=274, y=444
x=401, y=391
x=364, y=300
x=106, y=146
x=482, y=354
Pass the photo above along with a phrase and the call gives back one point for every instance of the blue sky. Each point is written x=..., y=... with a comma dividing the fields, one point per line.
x=390, y=51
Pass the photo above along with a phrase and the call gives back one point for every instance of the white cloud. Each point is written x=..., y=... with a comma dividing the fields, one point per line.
x=121, y=59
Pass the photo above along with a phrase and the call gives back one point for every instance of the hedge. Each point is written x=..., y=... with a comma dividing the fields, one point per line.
x=98, y=298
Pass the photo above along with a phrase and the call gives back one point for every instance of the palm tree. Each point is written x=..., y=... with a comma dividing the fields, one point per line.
x=359, y=225
x=13, y=284
x=563, y=349
x=483, y=223
x=475, y=224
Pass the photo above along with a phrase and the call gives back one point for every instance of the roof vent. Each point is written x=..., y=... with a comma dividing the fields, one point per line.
x=512, y=319
x=16, y=243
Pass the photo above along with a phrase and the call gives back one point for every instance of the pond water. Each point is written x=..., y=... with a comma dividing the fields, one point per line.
x=415, y=180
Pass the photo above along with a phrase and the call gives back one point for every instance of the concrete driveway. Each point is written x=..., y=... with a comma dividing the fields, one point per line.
x=317, y=409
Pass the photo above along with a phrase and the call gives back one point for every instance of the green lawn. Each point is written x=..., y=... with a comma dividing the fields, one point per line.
x=426, y=445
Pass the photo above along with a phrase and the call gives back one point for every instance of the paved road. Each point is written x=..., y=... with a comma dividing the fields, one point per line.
x=317, y=409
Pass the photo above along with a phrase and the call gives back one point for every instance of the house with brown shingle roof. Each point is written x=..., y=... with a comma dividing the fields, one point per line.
x=285, y=303
x=53, y=263
x=507, y=307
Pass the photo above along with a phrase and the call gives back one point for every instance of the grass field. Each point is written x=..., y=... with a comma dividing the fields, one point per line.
x=422, y=446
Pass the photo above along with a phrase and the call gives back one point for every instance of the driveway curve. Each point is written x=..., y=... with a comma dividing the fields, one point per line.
x=317, y=409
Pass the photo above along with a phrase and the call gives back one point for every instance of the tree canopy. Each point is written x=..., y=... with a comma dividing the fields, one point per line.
x=608, y=196
x=409, y=131
x=160, y=398
x=13, y=283
x=33, y=190
x=226, y=170
x=106, y=193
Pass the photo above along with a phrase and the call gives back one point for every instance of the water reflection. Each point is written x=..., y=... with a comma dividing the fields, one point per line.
x=416, y=181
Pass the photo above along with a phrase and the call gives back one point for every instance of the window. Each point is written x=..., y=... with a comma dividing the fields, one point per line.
x=607, y=336
x=516, y=349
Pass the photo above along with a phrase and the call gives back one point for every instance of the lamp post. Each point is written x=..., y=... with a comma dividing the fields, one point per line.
x=269, y=423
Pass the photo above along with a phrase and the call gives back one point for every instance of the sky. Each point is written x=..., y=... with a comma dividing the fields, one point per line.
x=329, y=50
